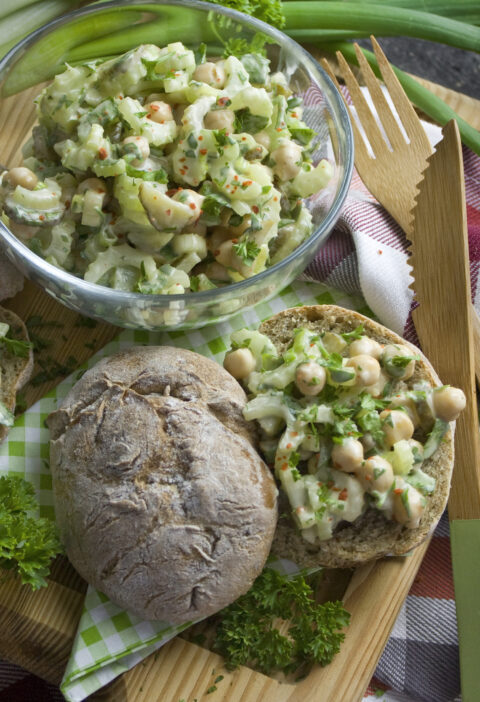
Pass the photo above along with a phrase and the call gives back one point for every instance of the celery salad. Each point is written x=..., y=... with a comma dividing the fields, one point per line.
x=161, y=172
x=341, y=424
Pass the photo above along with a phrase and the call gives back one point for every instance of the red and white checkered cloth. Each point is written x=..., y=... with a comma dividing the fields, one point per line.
x=366, y=254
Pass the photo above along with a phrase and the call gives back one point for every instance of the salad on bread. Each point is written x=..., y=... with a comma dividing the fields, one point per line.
x=345, y=421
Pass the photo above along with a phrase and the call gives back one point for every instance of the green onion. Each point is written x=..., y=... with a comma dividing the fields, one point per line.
x=8, y=9
x=420, y=96
x=391, y=21
x=49, y=53
x=18, y=24
x=463, y=10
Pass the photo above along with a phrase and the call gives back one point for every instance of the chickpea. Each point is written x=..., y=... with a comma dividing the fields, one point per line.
x=365, y=347
x=348, y=456
x=21, y=176
x=95, y=184
x=263, y=139
x=217, y=237
x=225, y=254
x=159, y=111
x=401, y=400
x=211, y=73
x=448, y=402
x=240, y=363
x=219, y=119
x=367, y=369
x=287, y=157
x=376, y=474
x=310, y=378
x=408, y=504
x=397, y=425
x=389, y=352
x=143, y=148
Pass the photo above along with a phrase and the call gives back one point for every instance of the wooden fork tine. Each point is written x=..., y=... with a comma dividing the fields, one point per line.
x=365, y=115
x=360, y=147
x=405, y=109
x=384, y=111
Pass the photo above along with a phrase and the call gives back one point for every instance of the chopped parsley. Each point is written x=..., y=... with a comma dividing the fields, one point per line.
x=247, y=250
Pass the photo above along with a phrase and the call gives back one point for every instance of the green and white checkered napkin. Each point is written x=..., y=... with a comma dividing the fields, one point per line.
x=110, y=641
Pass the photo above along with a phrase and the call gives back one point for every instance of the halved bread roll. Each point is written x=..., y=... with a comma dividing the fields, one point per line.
x=371, y=535
x=15, y=370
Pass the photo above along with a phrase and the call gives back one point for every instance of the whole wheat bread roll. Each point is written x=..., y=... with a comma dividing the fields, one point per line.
x=161, y=500
x=372, y=535
x=15, y=371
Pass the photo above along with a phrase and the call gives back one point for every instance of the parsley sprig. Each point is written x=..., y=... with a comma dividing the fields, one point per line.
x=247, y=633
x=27, y=543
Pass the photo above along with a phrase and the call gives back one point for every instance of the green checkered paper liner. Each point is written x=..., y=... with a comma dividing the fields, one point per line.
x=109, y=640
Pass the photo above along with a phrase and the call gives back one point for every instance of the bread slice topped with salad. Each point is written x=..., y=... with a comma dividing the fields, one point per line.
x=357, y=427
x=16, y=365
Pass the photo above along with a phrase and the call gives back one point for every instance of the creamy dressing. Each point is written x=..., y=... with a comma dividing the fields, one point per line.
x=342, y=446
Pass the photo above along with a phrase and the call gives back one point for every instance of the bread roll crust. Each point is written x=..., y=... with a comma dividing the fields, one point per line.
x=372, y=535
x=15, y=370
x=161, y=499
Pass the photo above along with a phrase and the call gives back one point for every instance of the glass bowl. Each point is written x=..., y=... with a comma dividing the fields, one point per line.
x=99, y=29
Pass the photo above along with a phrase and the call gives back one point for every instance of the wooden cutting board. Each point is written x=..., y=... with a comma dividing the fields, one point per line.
x=37, y=629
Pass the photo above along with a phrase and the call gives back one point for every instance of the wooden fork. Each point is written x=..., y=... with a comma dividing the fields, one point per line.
x=392, y=172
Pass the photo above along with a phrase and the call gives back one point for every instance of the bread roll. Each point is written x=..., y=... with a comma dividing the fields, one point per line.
x=161, y=500
x=372, y=535
x=15, y=371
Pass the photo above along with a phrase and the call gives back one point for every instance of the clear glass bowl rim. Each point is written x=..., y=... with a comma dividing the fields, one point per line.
x=313, y=67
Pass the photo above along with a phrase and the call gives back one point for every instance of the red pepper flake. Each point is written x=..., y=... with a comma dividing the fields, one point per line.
x=235, y=177
x=169, y=193
x=154, y=107
x=246, y=183
x=244, y=138
x=192, y=206
x=234, y=241
x=367, y=476
x=279, y=129
x=398, y=491
x=217, y=252
x=67, y=204
x=343, y=495
x=223, y=100
x=120, y=97
x=275, y=199
x=255, y=209
x=380, y=252
x=168, y=212
x=289, y=446
x=200, y=138
x=330, y=484
x=182, y=159
x=294, y=433
x=203, y=151
x=41, y=218
x=284, y=466
x=102, y=153
x=294, y=114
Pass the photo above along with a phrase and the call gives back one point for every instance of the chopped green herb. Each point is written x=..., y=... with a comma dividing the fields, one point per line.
x=247, y=250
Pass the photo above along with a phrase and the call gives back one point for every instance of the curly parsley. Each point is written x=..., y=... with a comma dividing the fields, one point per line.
x=27, y=543
x=246, y=634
